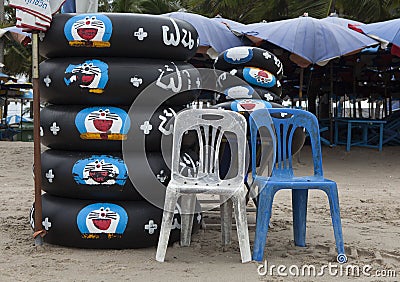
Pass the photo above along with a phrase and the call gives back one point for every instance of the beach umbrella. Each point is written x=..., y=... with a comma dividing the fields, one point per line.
x=385, y=32
x=231, y=24
x=17, y=34
x=212, y=34
x=16, y=119
x=312, y=41
x=335, y=19
x=4, y=77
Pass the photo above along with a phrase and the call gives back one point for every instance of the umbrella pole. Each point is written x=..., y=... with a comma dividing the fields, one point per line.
x=20, y=122
x=301, y=86
x=330, y=106
x=39, y=232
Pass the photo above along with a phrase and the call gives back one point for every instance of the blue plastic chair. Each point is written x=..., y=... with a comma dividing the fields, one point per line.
x=285, y=122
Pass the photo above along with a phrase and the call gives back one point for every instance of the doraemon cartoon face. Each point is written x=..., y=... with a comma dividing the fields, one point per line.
x=259, y=77
x=239, y=92
x=92, y=75
x=249, y=105
x=238, y=55
x=100, y=170
x=105, y=123
x=88, y=30
x=102, y=218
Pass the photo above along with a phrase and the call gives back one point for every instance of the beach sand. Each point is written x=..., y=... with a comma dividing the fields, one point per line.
x=369, y=191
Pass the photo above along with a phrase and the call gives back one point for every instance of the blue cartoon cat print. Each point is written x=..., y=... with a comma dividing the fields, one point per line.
x=103, y=123
x=100, y=170
x=88, y=30
x=249, y=105
x=106, y=218
x=238, y=55
x=259, y=77
x=91, y=75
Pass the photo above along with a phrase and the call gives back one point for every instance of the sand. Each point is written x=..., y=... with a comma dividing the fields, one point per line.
x=369, y=191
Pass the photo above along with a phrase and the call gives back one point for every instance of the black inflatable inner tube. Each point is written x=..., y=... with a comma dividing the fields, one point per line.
x=83, y=128
x=105, y=176
x=103, y=128
x=116, y=81
x=119, y=35
x=105, y=224
x=244, y=56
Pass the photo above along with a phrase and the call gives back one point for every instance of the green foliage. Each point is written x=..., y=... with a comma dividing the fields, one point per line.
x=143, y=6
x=17, y=58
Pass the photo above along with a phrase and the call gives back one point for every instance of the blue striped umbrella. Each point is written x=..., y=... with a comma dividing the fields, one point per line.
x=388, y=31
x=15, y=119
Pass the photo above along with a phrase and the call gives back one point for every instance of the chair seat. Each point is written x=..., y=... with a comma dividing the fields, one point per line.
x=211, y=188
x=312, y=181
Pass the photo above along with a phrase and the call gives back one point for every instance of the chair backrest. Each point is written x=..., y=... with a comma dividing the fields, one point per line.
x=211, y=125
x=286, y=121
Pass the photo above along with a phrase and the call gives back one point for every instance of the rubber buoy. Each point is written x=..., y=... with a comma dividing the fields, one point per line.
x=82, y=128
x=247, y=106
x=119, y=35
x=116, y=81
x=106, y=224
x=96, y=176
x=103, y=128
x=259, y=78
x=244, y=56
x=99, y=176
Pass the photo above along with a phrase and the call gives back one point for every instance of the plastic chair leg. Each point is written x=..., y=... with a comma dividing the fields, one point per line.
x=226, y=220
x=264, y=211
x=169, y=206
x=299, y=206
x=239, y=203
x=187, y=213
x=333, y=197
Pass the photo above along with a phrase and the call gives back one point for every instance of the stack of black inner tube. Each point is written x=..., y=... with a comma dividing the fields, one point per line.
x=97, y=66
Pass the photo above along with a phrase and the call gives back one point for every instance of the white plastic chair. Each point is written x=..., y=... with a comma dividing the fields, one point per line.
x=211, y=125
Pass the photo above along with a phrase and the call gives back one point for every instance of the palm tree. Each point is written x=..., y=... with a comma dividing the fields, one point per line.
x=360, y=10
x=158, y=7
x=143, y=6
x=17, y=58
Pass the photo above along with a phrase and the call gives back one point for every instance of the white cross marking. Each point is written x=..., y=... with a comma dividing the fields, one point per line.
x=161, y=176
x=151, y=227
x=136, y=81
x=140, y=34
x=146, y=127
x=176, y=224
x=41, y=131
x=269, y=97
x=46, y=223
x=50, y=176
x=54, y=128
x=41, y=35
x=47, y=81
x=267, y=55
